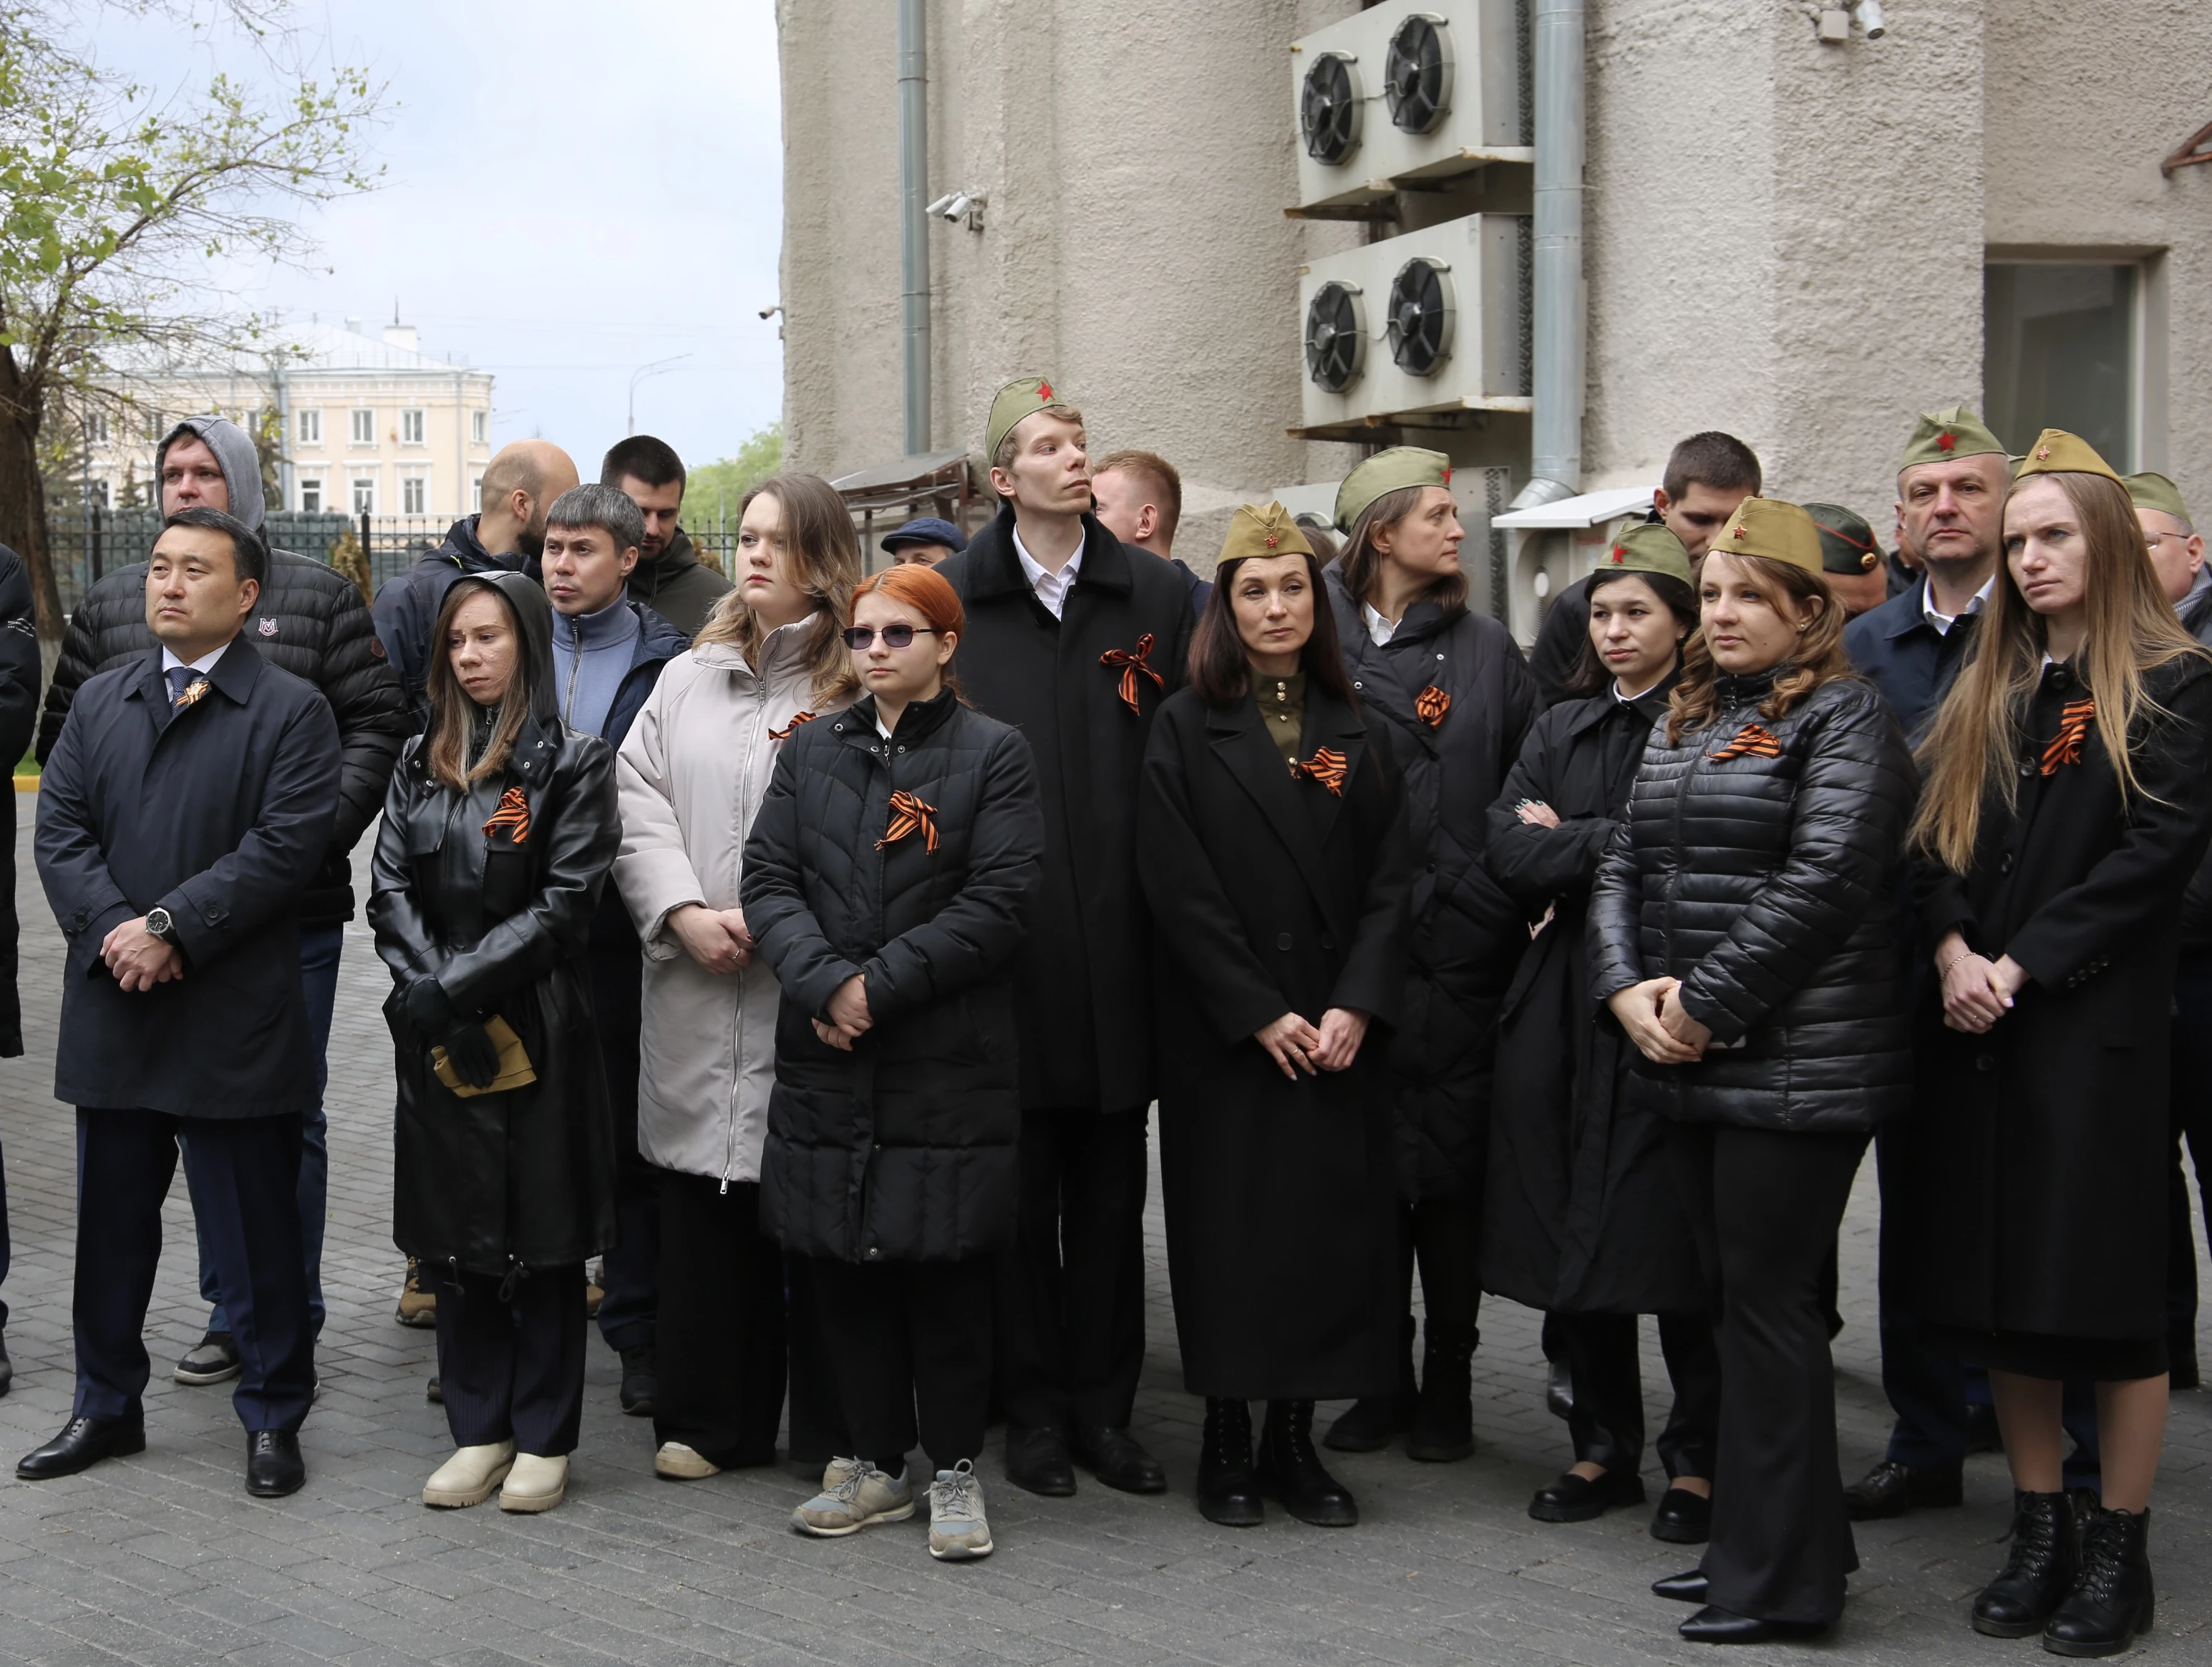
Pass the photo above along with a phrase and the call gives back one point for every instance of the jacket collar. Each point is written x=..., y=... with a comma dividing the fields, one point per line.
x=917, y=723
x=1729, y=690
x=785, y=649
x=1650, y=706
x=1301, y=813
x=234, y=676
x=995, y=570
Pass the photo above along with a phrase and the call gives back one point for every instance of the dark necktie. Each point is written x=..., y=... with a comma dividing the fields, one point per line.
x=186, y=686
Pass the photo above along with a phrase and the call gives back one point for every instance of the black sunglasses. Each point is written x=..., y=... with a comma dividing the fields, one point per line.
x=862, y=638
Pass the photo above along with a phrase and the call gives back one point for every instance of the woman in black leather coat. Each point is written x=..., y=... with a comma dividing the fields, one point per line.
x=498, y=830
x=1744, y=933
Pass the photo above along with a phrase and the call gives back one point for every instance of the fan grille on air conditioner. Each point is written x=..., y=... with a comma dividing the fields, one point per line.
x=1417, y=74
x=1336, y=337
x=1329, y=109
x=1421, y=327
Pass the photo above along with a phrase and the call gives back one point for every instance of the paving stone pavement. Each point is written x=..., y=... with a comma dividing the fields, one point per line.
x=163, y=1561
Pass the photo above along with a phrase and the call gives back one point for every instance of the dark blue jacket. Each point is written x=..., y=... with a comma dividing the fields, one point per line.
x=1199, y=588
x=219, y=813
x=657, y=642
x=406, y=607
x=1906, y=658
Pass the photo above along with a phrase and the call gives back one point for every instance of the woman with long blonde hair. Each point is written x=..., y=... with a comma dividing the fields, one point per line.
x=2067, y=804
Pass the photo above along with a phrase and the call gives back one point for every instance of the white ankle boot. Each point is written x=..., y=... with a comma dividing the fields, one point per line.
x=469, y=1476
x=535, y=1484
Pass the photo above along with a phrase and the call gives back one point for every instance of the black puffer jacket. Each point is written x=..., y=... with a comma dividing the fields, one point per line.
x=1766, y=883
x=902, y=1150
x=310, y=621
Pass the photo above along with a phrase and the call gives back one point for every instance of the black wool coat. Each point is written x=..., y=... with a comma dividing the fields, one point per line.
x=19, y=713
x=1081, y=997
x=1467, y=935
x=220, y=814
x=2028, y=1193
x=1757, y=863
x=902, y=1149
x=523, y=1177
x=1581, y=1212
x=1276, y=896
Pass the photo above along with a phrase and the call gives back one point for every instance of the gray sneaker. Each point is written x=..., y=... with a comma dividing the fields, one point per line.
x=958, y=1529
x=213, y=1360
x=855, y=1495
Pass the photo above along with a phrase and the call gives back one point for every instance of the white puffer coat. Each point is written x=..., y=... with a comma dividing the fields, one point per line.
x=692, y=774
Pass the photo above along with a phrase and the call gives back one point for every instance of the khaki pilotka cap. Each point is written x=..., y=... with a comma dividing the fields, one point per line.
x=2058, y=453
x=1939, y=436
x=1262, y=529
x=1847, y=543
x=1647, y=547
x=1780, y=531
x=1025, y=395
x=1391, y=470
x=2151, y=490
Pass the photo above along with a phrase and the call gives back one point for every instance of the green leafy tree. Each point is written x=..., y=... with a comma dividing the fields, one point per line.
x=712, y=491
x=119, y=205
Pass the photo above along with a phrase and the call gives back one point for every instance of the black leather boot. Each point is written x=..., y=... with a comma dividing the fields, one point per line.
x=2112, y=1600
x=1228, y=1490
x=1371, y=1422
x=1444, y=1418
x=1289, y=1468
x=2040, y=1570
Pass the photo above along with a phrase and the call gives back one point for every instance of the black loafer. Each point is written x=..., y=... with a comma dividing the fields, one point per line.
x=1683, y=1518
x=1712, y=1626
x=1574, y=1498
x=1688, y=1588
x=1891, y=1489
x=433, y=1394
x=1117, y=1459
x=1037, y=1461
x=83, y=1443
x=273, y=1465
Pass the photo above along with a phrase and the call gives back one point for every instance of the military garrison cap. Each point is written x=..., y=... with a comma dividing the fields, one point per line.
x=2150, y=490
x=1646, y=547
x=1847, y=544
x=1024, y=396
x=1939, y=436
x=1780, y=531
x=1388, y=471
x=2058, y=453
x=1262, y=529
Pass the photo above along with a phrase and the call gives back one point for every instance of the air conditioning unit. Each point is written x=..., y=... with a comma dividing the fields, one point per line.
x=1430, y=322
x=1405, y=93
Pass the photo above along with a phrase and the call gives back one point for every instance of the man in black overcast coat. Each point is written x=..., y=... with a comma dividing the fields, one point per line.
x=1076, y=641
x=19, y=711
x=185, y=809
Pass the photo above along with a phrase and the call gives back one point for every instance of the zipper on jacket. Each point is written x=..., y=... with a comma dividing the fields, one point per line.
x=757, y=729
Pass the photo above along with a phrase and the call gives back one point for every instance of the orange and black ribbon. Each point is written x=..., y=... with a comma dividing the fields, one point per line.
x=1327, y=767
x=1130, y=665
x=512, y=814
x=2074, y=720
x=907, y=814
x=1431, y=705
x=195, y=693
x=797, y=719
x=1751, y=741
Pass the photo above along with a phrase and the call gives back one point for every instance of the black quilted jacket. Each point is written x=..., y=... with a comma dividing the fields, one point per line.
x=312, y=622
x=902, y=1150
x=1757, y=863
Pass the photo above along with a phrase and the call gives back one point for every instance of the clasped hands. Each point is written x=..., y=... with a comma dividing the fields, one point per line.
x=468, y=1047
x=1656, y=1022
x=848, y=1015
x=137, y=958
x=1976, y=991
x=1296, y=1046
x=715, y=938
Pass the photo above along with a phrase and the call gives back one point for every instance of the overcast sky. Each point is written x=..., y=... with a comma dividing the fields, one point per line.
x=572, y=190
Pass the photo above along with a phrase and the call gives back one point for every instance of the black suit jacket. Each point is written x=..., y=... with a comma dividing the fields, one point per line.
x=220, y=814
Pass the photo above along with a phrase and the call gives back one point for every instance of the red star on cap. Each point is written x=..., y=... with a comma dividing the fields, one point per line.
x=1743, y=532
x=2043, y=453
x=1044, y=389
x=1944, y=443
x=1620, y=553
x=1447, y=477
x=1272, y=541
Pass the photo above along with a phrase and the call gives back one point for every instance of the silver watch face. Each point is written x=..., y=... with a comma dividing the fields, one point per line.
x=158, y=922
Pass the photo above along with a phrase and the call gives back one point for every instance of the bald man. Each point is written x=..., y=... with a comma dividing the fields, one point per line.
x=507, y=536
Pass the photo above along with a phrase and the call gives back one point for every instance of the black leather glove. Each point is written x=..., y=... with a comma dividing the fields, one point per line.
x=468, y=1045
x=429, y=1010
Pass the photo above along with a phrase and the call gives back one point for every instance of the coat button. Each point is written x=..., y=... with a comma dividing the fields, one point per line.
x=2027, y=766
x=1327, y=942
x=1985, y=1062
x=874, y=1255
x=1283, y=941
x=2004, y=863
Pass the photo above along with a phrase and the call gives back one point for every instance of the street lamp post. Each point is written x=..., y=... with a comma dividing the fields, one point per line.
x=639, y=375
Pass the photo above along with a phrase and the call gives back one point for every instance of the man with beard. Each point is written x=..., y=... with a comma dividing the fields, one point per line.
x=669, y=577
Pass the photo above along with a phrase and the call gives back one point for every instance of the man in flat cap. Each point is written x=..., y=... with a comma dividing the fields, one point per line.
x=927, y=539
x=1077, y=640
x=1850, y=559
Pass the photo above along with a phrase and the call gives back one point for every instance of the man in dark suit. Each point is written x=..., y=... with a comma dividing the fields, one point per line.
x=186, y=805
x=19, y=708
x=1075, y=639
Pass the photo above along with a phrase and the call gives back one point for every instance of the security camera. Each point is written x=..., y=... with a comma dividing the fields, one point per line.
x=767, y=313
x=1871, y=19
x=959, y=204
x=944, y=205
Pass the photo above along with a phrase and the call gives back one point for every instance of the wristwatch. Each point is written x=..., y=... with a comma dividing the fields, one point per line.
x=161, y=924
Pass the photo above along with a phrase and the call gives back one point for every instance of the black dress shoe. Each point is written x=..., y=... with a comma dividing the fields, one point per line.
x=1688, y=1588
x=640, y=1382
x=2112, y=1600
x=1712, y=1626
x=83, y=1443
x=2039, y=1572
x=1228, y=1488
x=433, y=1394
x=1574, y=1498
x=1117, y=1459
x=1037, y=1460
x=1683, y=1518
x=1560, y=1389
x=273, y=1465
x=1442, y=1431
x=1891, y=1489
x=1288, y=1467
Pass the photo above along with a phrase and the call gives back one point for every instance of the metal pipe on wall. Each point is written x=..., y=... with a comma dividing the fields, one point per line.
x=913, y=224
x=1560, y=344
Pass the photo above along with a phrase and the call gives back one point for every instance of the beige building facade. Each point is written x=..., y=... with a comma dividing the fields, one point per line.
x=1802, y=240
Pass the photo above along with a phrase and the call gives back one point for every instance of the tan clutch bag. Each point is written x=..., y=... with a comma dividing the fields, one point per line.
x=515, y=1070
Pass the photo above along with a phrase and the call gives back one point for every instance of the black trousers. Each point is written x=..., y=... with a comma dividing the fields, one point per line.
x=1608, y=1421
x=818, y=1432
x=248, y=1201
x=906, y=1336
x=720, y=1332
x=1765, y=1207
x=513, y=1369
x=628, y=1272
x=1071, y=1292
x=1443, y=1237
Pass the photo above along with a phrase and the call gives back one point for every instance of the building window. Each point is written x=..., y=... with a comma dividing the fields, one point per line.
x=476, y=495
x=478, y=424
x=410, y=428
x=155, y=426
x=2059, y=351
x=412, y=491
x=364, y=428
x=95, y=428
x=311, y=497
x=364, y=495
x=310, y=428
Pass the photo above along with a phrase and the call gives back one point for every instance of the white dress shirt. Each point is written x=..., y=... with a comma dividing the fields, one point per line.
x=203, y=665
x=1943, y=622
x=1378, y=628
x=1051, y=588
